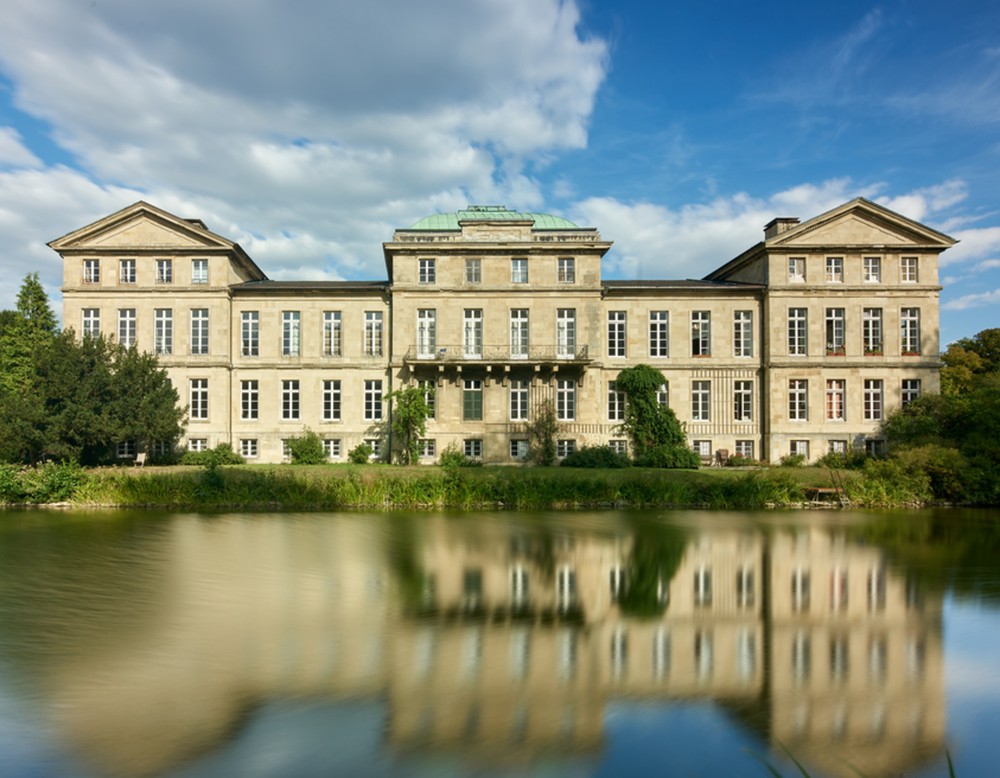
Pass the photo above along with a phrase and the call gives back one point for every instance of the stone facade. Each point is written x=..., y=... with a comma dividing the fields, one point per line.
x=799, y=345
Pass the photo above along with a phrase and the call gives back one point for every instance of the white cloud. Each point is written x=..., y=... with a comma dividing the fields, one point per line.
x=13, y=152
x=977, y=300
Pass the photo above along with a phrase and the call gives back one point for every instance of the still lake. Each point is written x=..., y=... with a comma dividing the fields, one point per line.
x=559, y=644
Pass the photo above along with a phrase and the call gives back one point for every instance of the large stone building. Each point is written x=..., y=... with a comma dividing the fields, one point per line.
x=801, y=344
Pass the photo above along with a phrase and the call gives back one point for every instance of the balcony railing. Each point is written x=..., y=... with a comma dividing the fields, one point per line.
x=496, y=354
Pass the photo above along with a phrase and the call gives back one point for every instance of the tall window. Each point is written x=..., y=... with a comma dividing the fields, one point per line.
x=743, y=400
x=566, y=332
x=873, y=399
x=835, y=270
x=519, y=270
x=909, y=268
x=745, y=590
x=566, y=270
x=566, y=399
x=799, y=448
x=797, y=269
x=249, y=400
x=800, y=589
x=472, y=400
x=126, y=327
x=291, y=332
x=701, y=333
x=473, y=271
x=616, y=403
x=701, y=400
x=198, y=407
x=798, y=399
x=126, y=271
x=373, y=333
x=91, y=271
x=199, y=330
x=909, y=320
x=835, y=397
x=248, y=448
x=659, y=334
x=290, y=399
x=427, y=273
x=743, y=334
x=92, y=322
x=250, y=333
x=910, y=390
x=798, y=335
x=616, y=333
x=873, y=270
x=519, y=332
x=472, y=332
x=663, y=395
x=373, y=400
x=835, y=331
x=164, y=271
x=426, y=332
x=331, y=400
x=163, y=331
x=871, y=331
x=702, y=586
x=519, y=399
x=333, y=334
x=199, y=271
x=427, y=386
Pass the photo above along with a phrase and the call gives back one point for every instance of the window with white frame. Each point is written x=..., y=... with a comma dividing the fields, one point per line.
x=519, y=391
x=248, y=448
x=333, y=448
x=199, y=271
x=566, y=273
x=909, y=320
x=566, y=399
x=797, y=269
x=744, y=448
x=199, y=331
x=798, y=399
x=163, y=331
x=616, y=402
x=331, y=400
x=473, y=448
x=837, y=446
x=519, y=448
x=427, y=448
x=472, y=332
x=197, y=444
x=373, y=333
x=519, y=270
x=91, y=271
x=835, y=270
x=799, y=448
x=873, y=399
x=701, y=400
x=872, y=270
x=373, y=400
x=871, y=331
x=874, y=447
x=291, y=333
x=701, y=333
x=702, y=586
x=333, y=334
x=910, y=390
x=566, y=332
x=745, y=589
x=126, y=271
x=473, y=271
x=375, y=444
x=835, y=328
x=427, y=273
x=126, y=327
x=835, y=399
x=426, y=332
x=472, y=399
x=909, y=268
x=161, y=448
x=798, y=332
x=290, y=400
x=427, y=386
x=616, y=333
x=800, y=588
x=92, y=322
x=519, y=333
x=249, y=400
x=565, y=447
x=702, y=448
x=250, y=333
x=663, y=395
x=619, y=446
x=164, y=271
x=286, y=448
x=743, y=400
x=659, y=334
x=198, y=399
x=743, y=334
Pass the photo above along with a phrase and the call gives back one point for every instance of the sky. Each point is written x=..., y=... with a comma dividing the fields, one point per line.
x=308, y=130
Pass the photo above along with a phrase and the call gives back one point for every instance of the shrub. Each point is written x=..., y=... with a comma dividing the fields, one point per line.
x=738, y=460
x=595, y=456
x=852, y=459
x=222, y=454
x=669, y=456
x=307, y=449
x=946, y=468
x=792, y=460
x=453, y=457
x=360, y=454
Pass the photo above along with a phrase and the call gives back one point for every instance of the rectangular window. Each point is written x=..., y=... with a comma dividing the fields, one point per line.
x=701, y=333
x=837, y=446
x=874, y=447
x=249, y=400
x=745, y=589
x=373, y=400
x=798, y=400
x=873, y=399
x=519, y=270
x=566, y=333
x=659, y=334
x=910, y=390
x=472, y=333
x=744, y=448
x=376, y=446
x=909, y=320
x=619, y=446
x=743, y=334
x=566, y=270
x=799, y=448
x=519, y=449
x=126, y=271
x=835, y=270
x=331, y=400
x=426, y=332
x=871, y=331
x=373, y=333
x=291, y=333
x=519, y=333
x=835, y=327
x=163, y=331
x=91, y=271
x=663, y=395
x=743, y=400
x=197, y=444
x=909, y=269
x=519, y=399
x=564, y=448
x=473, y=271
x=873, y=270
x=198, y=408
x=616, y=333
x=333, y=334
x=164, y=271
x=472, y=399
x=199, y=271
x=426, y=385
x=92, y=322
x=800, y=589
x=126, y=327
x=797, y=270
x=701, y=400
x=473, y=448
x=199, y=330
x=248, y=448
x=616, y=403
x=798, y=333
x=427, y=448
x=703, y=586
x=427, y=273
x=332, y=448
x=250, y=333
x=702, y=448
x=290, y=400
x=835, y=397
x=566, y=399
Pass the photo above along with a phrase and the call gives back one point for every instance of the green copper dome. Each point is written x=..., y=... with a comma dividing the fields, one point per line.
x=449, y=221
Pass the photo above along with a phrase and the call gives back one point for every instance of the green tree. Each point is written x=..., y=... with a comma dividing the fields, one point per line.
x=648, y=424
x=542, y=434
x=29, y=330
x=410, y=412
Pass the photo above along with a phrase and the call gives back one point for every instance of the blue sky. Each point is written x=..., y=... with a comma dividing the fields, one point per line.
x=307, y=131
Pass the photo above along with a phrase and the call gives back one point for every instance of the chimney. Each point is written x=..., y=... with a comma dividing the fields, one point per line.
x=779, y=225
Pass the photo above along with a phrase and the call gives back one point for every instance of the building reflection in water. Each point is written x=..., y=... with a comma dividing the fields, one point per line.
x=503, y=647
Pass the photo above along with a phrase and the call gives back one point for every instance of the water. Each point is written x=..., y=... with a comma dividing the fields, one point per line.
x=562, y=644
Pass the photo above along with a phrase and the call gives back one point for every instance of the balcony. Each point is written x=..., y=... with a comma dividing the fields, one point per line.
x=445, y=354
